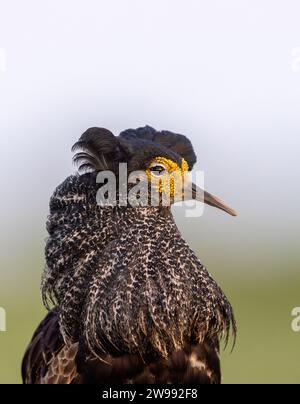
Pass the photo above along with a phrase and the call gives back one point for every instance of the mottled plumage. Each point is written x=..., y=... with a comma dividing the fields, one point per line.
x=133, y=304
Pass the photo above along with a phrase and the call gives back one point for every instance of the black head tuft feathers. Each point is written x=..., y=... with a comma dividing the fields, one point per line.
x=174, y=142
x=98, y=149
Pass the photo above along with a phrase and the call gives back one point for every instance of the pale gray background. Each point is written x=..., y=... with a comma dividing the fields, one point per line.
x=218, y=71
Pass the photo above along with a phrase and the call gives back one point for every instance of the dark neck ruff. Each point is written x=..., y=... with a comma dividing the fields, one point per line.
x=124, y=280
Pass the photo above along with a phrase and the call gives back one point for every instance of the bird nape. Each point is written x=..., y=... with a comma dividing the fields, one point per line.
x=128, y=300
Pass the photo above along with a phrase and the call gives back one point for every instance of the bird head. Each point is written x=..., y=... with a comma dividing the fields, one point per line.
x=163, y=158
x=123, y=279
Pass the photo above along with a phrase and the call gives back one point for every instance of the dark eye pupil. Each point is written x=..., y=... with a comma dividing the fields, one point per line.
x=158, y=170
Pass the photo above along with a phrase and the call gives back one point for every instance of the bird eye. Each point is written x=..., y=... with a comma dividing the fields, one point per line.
x=158, y=170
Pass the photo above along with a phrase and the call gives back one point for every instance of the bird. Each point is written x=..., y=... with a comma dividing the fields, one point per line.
x=128, y=301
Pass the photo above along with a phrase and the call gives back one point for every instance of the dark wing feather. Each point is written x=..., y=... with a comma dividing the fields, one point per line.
x=175, y=142
x=47, y=359
x=195, y=364
x=45, y=342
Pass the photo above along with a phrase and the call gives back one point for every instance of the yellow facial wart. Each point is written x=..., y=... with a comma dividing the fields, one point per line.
x=176, y=174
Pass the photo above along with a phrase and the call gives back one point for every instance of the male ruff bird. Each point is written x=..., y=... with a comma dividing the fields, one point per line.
x=128, y=300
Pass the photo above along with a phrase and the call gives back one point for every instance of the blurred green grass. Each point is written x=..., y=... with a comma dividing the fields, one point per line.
x=267, y=351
